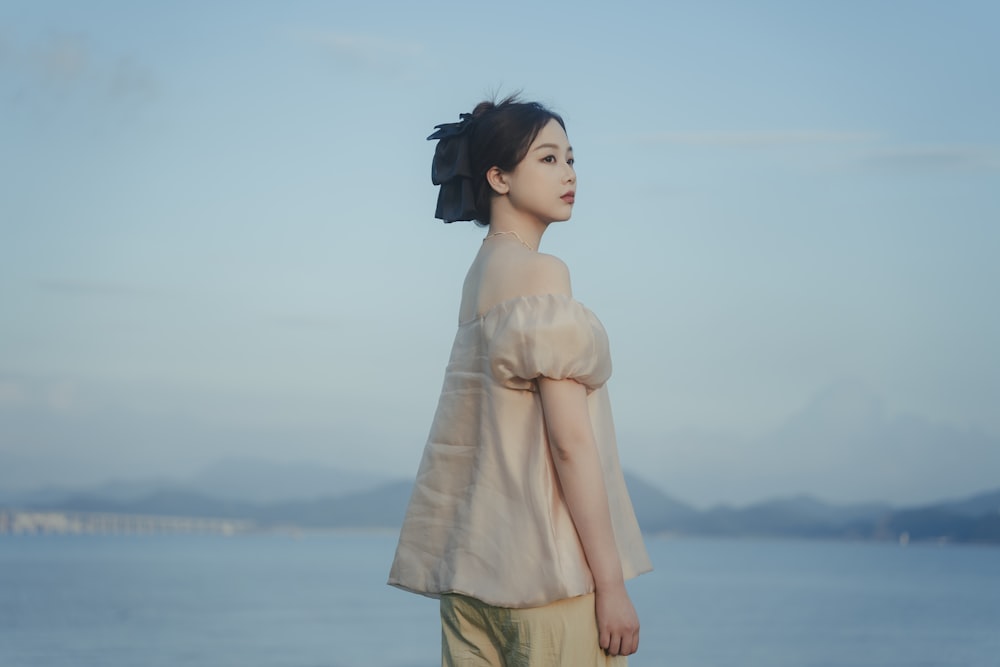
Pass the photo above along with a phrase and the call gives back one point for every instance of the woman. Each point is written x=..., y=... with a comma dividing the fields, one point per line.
x=520, y=521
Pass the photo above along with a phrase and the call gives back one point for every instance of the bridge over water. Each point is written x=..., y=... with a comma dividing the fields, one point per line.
x=23, y=522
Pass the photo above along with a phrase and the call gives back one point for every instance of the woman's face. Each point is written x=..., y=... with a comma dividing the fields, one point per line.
x=543, y=184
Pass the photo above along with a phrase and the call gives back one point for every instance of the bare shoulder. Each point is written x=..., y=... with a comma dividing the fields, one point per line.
x=510, y=272
x=548, y=275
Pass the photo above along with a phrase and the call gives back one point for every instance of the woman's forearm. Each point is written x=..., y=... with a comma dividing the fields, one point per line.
x=578, y=466
x=587, y=499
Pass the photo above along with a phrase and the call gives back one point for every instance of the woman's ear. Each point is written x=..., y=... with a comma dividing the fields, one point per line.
x=497, y=180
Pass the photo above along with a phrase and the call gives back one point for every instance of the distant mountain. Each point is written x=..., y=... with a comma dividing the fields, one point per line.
x=167, y=502
x=983, y=503
x=844, y=444
x=847, y=444
x=381, y=507
x=974, y=519
x=807, y=508
x=261, y=481
x=249, y=480
x=655, y=510
x=936, y=524
x=801, y=516
x=117, y=490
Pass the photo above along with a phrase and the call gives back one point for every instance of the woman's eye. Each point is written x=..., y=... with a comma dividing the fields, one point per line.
x=549, y=158
x=571, y=161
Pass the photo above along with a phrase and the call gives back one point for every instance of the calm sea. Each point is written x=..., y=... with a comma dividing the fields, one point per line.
x=280, y=601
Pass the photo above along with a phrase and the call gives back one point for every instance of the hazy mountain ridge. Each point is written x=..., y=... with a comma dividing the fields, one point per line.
x=243, y=479
x=843, y=443
x=972, y=519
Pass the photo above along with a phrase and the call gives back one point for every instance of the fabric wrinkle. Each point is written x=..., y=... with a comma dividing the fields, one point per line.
x=497, y=527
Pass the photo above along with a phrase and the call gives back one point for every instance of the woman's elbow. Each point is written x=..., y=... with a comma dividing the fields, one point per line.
x=561, y=452
x=569, y=447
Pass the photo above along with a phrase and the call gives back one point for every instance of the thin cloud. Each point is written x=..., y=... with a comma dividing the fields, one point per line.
x=54, y=395
x=63, y=397
x=306, y=323
x=64, y=58
x=757, y=139
x=6, y=50
x=129, y=79
x=86, y=288
x=870, y=147
x=69, y=63
x=367, y=52
x=936, y=157
x=11, y=393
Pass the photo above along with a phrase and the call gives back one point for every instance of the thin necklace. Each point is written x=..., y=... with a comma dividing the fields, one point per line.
x=513, y=233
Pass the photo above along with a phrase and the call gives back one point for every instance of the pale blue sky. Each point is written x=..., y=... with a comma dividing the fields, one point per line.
x=216, y=231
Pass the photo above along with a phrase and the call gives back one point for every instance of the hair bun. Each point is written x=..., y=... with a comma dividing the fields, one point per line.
x=482, y=108
x=495, y=134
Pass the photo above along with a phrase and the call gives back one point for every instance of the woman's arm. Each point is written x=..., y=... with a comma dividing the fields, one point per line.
x=577, y=462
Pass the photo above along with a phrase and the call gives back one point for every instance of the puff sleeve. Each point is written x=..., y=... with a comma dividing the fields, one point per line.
x=547, y=335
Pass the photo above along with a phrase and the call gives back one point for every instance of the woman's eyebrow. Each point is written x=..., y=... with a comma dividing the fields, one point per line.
x=553, y=146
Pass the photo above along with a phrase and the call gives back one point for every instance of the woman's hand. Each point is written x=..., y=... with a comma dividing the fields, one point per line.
x=617, y=622
x=578, y=465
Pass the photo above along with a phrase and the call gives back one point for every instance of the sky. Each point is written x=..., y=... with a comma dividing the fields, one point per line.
x=217, y=235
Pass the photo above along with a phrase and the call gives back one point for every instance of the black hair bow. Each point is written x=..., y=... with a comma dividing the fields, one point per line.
x=452, y=170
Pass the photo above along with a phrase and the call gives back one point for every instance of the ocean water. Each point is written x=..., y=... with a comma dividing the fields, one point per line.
x=321, y=601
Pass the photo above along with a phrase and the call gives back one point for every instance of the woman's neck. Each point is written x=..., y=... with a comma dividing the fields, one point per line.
x=520, y=230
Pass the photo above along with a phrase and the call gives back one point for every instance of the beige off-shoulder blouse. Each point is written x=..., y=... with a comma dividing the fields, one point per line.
x=487, y=517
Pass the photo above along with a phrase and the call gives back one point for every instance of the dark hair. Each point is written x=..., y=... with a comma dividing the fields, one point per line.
x=500, y=136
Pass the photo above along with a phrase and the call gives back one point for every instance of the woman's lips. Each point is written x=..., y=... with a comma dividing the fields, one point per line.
x=569, y=197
